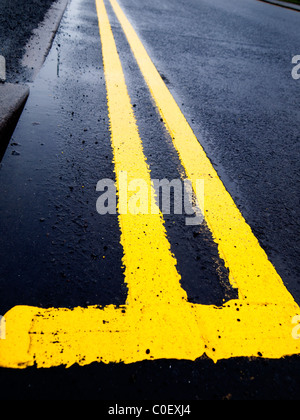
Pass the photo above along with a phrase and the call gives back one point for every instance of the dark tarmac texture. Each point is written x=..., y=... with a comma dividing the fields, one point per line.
x=161, y=380
x=59, y=251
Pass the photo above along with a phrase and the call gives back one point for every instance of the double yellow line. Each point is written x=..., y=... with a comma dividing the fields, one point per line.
x=250, y=270
x=157, y=320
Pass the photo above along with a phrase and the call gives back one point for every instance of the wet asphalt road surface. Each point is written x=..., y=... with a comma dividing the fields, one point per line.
x=17, y=21
x=229, y=67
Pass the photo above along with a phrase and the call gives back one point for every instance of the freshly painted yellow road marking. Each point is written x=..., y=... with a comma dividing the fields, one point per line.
x=250, y=269
x=157, y=321
x=150, y=266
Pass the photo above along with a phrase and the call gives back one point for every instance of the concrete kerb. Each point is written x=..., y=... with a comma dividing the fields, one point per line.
x=12, y=98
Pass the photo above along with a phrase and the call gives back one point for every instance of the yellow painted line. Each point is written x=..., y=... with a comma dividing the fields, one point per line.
x=150, y=266
x=157, y=322
x=250, y=269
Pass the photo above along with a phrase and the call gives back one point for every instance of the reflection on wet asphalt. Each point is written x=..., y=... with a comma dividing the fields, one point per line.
x=59, y=252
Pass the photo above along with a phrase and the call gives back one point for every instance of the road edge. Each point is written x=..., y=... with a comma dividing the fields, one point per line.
x=289, y=6
x=39, y=45
x=13, y=96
